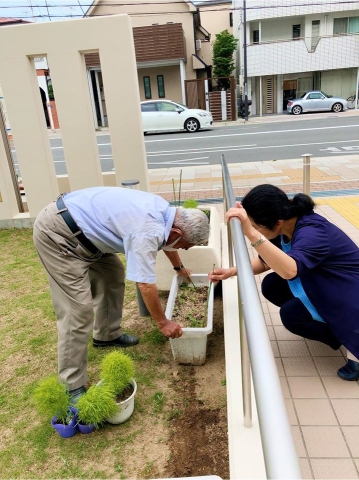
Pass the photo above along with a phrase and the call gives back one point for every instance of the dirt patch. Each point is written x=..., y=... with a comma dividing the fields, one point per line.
x=190, y=306
x=198, y=439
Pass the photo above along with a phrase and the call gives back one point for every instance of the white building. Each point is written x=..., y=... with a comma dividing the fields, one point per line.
x=294, y=46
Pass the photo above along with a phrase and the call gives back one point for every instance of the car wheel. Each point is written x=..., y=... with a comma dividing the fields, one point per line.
x=337, y=107
x=297, y=110
x=191, y=125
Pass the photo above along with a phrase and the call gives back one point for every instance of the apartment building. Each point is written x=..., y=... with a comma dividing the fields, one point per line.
x=297, y=46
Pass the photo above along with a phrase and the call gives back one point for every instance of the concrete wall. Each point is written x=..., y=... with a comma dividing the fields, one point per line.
x=64, y=45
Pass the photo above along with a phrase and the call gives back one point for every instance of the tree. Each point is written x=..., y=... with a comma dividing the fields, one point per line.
x=223, y=48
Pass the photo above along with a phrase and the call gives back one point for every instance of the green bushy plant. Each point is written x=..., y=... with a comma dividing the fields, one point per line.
x=96, y=405
x=190, y=203
x=52, y=398
x=117, y=369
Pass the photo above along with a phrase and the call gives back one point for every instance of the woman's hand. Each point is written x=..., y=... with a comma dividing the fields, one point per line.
x=239, y=212
x=222, y=274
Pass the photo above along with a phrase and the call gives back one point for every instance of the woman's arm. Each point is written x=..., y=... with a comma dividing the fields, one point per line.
x=273, y=256
x=223, y=273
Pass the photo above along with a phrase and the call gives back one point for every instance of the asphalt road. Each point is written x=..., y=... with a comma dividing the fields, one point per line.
x=332, y=135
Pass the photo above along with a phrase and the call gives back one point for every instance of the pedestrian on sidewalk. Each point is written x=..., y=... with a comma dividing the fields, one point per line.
x=77, y=238
x=315, y=269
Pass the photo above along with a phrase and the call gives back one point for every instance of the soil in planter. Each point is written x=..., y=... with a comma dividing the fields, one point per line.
x=190, y=308
x=125, y=394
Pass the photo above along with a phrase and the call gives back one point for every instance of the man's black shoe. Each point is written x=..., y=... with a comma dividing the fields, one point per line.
x=125, y=340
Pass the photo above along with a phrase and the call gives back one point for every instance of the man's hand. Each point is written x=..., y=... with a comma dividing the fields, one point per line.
x=171, y=329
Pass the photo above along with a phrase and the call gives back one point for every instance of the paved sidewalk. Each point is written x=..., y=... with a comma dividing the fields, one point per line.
x=329, y=176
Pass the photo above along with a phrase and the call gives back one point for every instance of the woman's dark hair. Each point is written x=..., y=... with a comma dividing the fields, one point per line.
x=266, y=204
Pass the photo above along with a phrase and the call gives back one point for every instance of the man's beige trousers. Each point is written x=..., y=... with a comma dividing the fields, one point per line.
x=87, y=292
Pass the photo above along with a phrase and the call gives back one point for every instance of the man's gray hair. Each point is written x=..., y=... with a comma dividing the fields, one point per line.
x=194, y=224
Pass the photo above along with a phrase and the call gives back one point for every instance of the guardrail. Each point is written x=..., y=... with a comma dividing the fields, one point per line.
x=280, y=457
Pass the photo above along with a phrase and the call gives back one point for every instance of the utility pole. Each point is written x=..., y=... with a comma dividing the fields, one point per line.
x=245, y=82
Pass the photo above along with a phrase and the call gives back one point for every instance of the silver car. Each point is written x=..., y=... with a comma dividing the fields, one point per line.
x=316, y=101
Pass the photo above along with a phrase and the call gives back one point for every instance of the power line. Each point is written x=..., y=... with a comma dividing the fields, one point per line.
x=279, y=5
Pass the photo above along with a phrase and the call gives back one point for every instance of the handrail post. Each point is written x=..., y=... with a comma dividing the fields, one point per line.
x=306, y=173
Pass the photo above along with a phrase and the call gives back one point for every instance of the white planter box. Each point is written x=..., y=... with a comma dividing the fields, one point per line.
x=199, y=259
x=191, y=348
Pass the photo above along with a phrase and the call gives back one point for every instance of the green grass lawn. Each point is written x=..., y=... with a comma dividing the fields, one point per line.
x=29, y=447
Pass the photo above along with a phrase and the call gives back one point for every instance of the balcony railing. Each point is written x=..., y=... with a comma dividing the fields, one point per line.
x=303, y=54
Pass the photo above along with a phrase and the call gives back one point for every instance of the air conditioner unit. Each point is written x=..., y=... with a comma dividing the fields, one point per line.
x=198, y=45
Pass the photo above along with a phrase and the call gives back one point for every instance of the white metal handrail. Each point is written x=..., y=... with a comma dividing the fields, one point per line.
x=280, y=457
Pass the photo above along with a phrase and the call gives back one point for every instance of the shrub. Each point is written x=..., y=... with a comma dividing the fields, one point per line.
x=96, y=405
x=190, y=203
x=117, y=369
x=52, y=398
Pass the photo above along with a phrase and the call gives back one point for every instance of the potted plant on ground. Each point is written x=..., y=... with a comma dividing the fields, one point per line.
x=94, y=407
x=117, y=371
x=53, y=400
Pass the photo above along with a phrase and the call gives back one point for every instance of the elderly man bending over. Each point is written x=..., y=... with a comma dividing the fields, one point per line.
x=77, y=238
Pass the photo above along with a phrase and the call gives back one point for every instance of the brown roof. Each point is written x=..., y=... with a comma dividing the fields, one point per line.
x=11, y=21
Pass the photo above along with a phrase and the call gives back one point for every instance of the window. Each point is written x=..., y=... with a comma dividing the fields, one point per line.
x=344, y=25
x=315, y=96
x=167, y=107
x=296, y=31
x=353, y=25
x=340, y=25
x=148, y=107
x=147, y=87
x=231, y=19
x=255, y=37
x=161, y=86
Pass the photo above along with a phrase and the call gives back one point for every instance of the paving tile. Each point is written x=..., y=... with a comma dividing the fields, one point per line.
x=306, y=468
x=338, y=388
x=306, y=387
x=318, y=349
x=356, y=460
x=299, y=367
x=291, y=412
x=351, y=435
x=298, y=441
x=335, y=468
x=285, y=388
x=290, y=348
x=325, y=442
x=328, y=365
x=275, y=348
x=282, y=333
x=347, y=411
x=314, y=411
x=271, y=334
x=280, y=368
x=275, y=317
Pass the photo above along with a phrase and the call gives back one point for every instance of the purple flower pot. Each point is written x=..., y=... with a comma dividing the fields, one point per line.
x=63, y=430
x=86, y=428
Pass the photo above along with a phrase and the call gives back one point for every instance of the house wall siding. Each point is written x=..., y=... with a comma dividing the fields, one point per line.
x=152, y=43
x=172, y=82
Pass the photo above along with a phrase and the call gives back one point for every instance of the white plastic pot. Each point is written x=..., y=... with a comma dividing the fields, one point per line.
x=191, y=348
x=125, y=408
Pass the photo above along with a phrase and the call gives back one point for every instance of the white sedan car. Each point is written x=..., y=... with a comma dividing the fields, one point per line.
x=164, y=115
